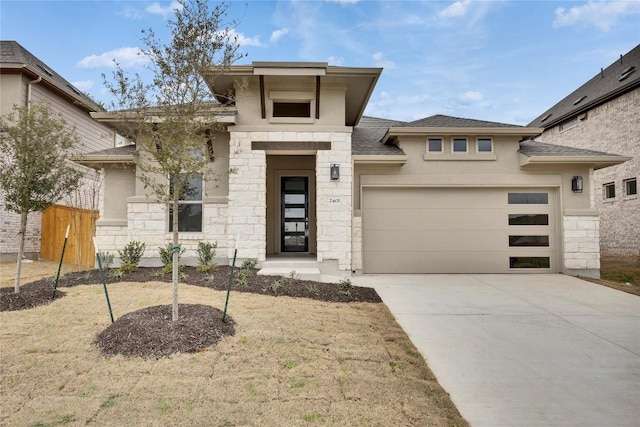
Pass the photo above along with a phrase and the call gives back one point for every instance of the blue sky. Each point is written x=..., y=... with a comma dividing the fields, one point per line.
x=505, y=61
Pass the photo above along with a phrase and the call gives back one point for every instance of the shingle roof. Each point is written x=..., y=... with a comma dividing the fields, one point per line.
x=367, y=136
x=11, y=52
x=607, y=84
x=126, y=150
x=533, y=148
x=448, y=121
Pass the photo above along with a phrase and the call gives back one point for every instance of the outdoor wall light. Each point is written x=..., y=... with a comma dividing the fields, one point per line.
x=576, y=184
x=335, y=172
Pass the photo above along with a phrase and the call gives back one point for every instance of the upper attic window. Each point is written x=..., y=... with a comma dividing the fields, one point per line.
x=626, y=73
x=292, y=109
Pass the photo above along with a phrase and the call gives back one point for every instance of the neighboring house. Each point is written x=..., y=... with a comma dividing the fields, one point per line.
x=23, y=79
x=604, y=114
x=314, y=178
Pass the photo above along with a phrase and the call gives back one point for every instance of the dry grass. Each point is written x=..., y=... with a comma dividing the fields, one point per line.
x=622, y=273
x=292, y=362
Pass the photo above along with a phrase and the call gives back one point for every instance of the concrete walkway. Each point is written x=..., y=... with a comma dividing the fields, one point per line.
x=524, y=350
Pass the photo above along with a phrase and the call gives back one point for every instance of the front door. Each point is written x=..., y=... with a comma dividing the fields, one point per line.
x=295, y=213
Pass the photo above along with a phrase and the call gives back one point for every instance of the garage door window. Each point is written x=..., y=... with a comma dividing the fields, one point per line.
x=528, y=241
x=528, y=219
x=529, y=262
x=528, y=198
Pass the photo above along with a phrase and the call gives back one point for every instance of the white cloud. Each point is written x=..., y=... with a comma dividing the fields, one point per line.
x=130, y=13
x=338, y=61
x=455, y=10
x=278, y=34
x=599, y=14
x=379, y=61
x=156, y=9
x=471, y=97
x=125, y=56
x=84, y=85
x=243, y=40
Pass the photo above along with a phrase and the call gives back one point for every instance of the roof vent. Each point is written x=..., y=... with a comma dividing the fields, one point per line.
x=626, y=73
x=579, y=100
x=76, y=91
x=545, y=117
x=45, y=69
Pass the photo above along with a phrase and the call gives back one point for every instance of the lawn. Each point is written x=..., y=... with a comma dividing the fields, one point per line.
x=291, y=362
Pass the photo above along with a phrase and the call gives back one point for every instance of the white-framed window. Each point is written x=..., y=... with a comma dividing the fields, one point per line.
x=609, y=191
x=292, y=107
x=631, y=187
x=459, y=145
x=484, y=145
x=189, y=206
x=435, y=145
x=569, y=124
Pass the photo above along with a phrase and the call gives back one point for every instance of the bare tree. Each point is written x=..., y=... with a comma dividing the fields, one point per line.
x=34, y=168
x=171, y=116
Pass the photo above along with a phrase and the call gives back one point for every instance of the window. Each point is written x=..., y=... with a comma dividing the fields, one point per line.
x=609, y=190
x=189, y=207
x=529, y=262
x=528, y=219
x=485, y=145
x=292, y=109
x=434, y=145
x=528, y=198
x=459, y=145
x=569, y=124
x=528, y=241
x=630, y=187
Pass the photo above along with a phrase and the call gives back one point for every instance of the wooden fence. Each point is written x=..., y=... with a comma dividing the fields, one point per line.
x=79, y=250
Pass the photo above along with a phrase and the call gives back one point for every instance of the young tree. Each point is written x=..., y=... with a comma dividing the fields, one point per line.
x=34, y=172
x=172, y=115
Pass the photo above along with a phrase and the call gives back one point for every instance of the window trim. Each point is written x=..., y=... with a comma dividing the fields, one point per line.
x=626, y=183
x=439, y=138
x=605, y=193
x=199, y=201
x=280, y=96
x=478, y=146
x=453, y=145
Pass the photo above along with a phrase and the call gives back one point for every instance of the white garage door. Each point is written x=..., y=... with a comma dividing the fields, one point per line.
x=458, y=230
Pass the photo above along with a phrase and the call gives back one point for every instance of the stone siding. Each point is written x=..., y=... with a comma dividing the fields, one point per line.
x=614, y=128
x=581, y=245
x=10, y=238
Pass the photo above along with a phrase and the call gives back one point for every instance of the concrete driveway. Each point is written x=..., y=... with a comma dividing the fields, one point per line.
x=524, y=350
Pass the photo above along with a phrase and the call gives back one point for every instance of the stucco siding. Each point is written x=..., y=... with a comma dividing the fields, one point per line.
x=613, y=127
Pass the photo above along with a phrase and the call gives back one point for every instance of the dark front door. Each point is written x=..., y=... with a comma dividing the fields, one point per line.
x=295, y=213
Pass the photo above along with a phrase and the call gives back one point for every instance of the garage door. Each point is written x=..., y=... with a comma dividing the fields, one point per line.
x=460, y=230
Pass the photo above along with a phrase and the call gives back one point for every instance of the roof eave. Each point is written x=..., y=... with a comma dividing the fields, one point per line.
x=399, y=159
x=98, y=161
x=595, y=162
x=409, y=131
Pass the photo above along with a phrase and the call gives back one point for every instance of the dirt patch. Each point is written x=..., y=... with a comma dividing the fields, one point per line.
x=618, y=272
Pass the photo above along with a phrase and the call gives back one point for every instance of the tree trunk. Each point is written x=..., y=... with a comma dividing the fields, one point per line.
x=176, y=252
x=23, y=234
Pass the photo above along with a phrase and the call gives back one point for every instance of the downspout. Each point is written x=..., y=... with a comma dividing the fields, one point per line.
x=32, y=82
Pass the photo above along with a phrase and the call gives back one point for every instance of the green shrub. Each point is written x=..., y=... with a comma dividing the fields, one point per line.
x=243, y=277
x=249, y=263
x=132, y=252
x=166, y=256
x=345, y=286
x=206, y=253
x=276, y=285
x=127, y=268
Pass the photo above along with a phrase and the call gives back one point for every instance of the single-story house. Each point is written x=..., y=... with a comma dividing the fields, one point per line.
x=312, y=177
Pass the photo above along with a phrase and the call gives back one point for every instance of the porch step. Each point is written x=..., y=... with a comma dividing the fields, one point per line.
x=303, y=269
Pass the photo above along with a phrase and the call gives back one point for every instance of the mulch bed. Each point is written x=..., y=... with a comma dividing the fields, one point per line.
x=150, y=332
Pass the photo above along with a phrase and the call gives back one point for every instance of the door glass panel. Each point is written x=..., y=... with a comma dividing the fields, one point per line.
x=298, y=226
x=295, y=199
x=295, y=184
x=528, y=219
x=294, y=212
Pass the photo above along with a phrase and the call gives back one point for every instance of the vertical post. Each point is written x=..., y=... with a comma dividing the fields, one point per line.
x=64, y=246
x=233, y=264
x=104, y=281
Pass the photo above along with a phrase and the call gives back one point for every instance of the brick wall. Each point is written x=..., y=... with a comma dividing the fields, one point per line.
x=613, y=128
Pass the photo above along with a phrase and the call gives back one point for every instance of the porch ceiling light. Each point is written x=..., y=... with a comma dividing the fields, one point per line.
x=576, y=184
